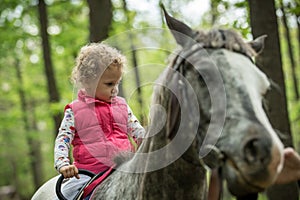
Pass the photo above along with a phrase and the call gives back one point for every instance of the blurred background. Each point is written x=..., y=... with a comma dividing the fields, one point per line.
x=41, y=38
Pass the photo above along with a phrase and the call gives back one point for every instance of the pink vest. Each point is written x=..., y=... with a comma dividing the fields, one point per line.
x=100, y=133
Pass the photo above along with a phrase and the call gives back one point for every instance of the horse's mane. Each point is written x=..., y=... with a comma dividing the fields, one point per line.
x=214, y=39
x=225, y=38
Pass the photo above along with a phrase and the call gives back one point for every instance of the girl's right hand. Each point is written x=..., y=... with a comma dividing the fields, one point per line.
x=69, y=171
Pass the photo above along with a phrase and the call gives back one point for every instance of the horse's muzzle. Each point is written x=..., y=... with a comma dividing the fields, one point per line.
x=252, y=164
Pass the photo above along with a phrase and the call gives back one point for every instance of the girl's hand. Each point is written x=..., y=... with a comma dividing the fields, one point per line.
x=69, y=171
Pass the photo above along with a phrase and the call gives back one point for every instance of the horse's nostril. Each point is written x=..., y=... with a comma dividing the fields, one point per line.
x=256, y=151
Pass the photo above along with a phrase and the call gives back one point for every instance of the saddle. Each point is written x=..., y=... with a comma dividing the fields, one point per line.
x=95, y=180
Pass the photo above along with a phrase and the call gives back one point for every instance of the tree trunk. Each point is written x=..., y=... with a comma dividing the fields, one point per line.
x=298, y=27
x=49, y=71
x=30, y=126
x=290, y=49
x=264, y=21
x=297, y=16
x=135, y=63
x=213, y=11
x=100, y=19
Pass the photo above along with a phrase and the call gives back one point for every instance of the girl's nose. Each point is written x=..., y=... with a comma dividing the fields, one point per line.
x=115, y=90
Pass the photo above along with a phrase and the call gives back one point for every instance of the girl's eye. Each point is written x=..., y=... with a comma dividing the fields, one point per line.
x=112, y=84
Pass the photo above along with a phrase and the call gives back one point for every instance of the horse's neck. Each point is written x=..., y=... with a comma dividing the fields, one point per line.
x=183, y=177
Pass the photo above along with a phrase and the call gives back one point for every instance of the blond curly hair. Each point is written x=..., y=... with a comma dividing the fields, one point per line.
x=92, y=61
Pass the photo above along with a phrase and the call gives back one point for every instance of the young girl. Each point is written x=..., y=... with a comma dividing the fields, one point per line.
x=98, y=124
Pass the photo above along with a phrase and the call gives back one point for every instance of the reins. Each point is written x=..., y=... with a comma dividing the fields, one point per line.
x=184, y=54
x=214, y=160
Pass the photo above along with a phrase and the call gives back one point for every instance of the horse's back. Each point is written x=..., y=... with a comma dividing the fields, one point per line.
x=46, y=191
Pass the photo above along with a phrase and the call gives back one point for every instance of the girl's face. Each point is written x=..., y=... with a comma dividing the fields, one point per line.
x=108, y=84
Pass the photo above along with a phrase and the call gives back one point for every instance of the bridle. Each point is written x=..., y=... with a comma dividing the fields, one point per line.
x=214, y=153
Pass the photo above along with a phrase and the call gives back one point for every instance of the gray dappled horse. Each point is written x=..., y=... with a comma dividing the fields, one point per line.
x=207, y=112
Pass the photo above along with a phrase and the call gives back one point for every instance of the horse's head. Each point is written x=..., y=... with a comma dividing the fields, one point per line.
x=229, y=88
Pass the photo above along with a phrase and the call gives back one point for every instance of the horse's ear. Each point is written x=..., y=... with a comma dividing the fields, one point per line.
x=181, y=32
x=258, y=44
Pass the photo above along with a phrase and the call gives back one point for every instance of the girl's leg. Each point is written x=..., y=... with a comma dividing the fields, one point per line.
x=73, y=185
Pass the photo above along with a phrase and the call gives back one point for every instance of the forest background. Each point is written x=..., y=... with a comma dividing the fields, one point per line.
x=40, y=40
